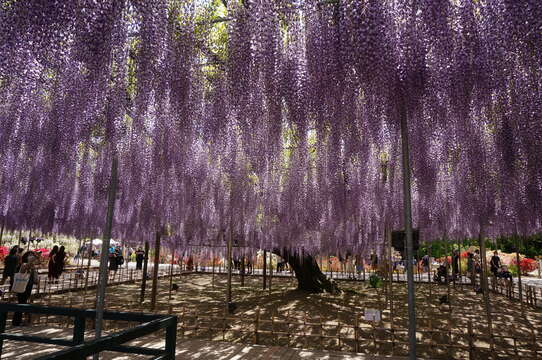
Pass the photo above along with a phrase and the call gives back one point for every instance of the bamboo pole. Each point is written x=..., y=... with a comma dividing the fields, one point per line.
x=155, y=269
x=100, y=296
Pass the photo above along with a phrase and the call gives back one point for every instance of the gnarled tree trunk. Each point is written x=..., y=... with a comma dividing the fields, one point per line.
x=307, y=272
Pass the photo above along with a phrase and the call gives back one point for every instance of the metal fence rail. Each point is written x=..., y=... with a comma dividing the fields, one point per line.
x=114, y=342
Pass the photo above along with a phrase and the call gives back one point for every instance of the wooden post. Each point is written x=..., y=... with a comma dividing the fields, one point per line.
x=264, y=273
x=256, y=327
x=155, y=269
x=270, y=270
x=213, y=278
x=171, y=275
x=519, y=277
x=483, y=283
x=356, y=332
x=390, y=249
x=144, y=274
x=228, y=290
x=243, y=269
x=471, y=341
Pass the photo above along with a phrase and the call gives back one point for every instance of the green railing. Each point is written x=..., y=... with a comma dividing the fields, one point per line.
x=79, y=349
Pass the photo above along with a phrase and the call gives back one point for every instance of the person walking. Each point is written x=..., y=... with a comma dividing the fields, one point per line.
x=455, y=264
x=27, y=267
x=10, y=266
x=59, y=263
x=140, y=256
x=51, y=263
x=113, y=262
x=495, y=263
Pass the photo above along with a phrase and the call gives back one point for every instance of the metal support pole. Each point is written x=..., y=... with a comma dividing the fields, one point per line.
x=144, y=274
x=155, y=270
x=102, y=281
x=408, y=231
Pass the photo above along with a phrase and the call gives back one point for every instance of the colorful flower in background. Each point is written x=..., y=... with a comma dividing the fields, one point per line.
x=4, y=251
x=526, y=265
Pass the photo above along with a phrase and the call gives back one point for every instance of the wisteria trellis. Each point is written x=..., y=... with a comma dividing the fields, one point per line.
x=293, y=140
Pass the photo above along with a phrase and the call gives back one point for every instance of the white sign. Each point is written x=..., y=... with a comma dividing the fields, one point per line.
x=372, y=315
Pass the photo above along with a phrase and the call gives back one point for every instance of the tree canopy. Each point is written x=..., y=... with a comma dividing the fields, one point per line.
x=279, y=119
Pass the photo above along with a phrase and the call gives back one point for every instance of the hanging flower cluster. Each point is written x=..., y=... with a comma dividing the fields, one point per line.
x=292, y=139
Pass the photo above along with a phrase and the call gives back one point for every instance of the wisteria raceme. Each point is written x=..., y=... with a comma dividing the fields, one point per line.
x=284, y=132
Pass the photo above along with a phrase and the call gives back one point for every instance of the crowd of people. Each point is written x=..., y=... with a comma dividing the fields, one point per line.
x=474, y=268
x=21, y=268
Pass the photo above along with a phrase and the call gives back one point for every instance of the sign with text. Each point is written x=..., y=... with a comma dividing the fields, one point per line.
x=372, y=315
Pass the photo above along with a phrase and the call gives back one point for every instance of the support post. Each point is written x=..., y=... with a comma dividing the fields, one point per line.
x=144, y=274
x=228, y=290
x=243, y=269
x=264, y=275
x=155, y=269
x=408, y=232
x=483, y=282
x=103, y=275
x=2, y=230
x=519, y=277
x=171, y=274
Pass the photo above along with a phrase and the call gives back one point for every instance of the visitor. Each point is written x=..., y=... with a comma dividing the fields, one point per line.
x=120, y=258
x=359, y=265
x=495, y=263
x=140, y=256
x=504, y=276
x=113, y=262
x=374, y=261
x=350, y=267
x=28, y=266
x=10, y=266
x=425, y=263
x=20, y=252
x=441, y=275
x=455, y=263
x=51, y=263
x=477, y=262
x=59, y=263
x=470, y=264
x=129, y=253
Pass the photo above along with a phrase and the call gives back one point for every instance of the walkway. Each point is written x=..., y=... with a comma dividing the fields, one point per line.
x=186, y=349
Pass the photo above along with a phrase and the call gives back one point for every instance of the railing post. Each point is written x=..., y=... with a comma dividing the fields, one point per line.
x=171, y=338
x=79, y=330
x=3, y=318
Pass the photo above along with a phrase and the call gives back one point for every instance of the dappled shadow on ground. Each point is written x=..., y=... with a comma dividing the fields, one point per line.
x=326, y=321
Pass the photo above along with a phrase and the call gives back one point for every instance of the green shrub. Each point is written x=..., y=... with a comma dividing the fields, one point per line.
x=375, y=281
